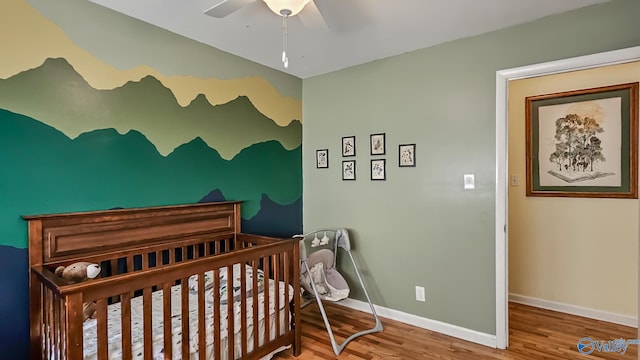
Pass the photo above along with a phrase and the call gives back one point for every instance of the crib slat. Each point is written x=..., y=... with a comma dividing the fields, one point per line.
x=296, y=322
x=256, y=329
x=125, y=321
x=56, y=326
x=184, y=305
x=53, y=340
x=202, y=342
x=147, y=329
x=47, y=346
x=276, y=284
x=267, y=316
x=287, y=280
x=166, y=321
x=216, y=313
x=145, y=261
x=74, y=329
x=230, y=314
x=101, y=331
x=243, y=309
x=63, y=327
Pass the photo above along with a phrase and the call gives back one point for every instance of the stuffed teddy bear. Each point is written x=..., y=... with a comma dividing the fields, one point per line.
x=78, y=272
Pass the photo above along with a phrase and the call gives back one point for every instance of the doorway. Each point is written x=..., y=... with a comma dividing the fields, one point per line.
x=502, y=79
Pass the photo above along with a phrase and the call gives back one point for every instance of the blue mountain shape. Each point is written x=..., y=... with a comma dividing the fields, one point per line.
x=213, y=196
x=275, y=220
x=14, y=297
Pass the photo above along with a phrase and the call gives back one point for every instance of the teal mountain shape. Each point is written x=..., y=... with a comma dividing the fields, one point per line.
x=56, y=94
x=43, y=171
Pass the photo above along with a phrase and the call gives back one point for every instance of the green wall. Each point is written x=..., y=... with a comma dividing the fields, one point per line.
x=420, y=227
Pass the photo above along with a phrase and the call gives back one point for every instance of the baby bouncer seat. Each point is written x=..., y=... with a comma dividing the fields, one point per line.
x=320, y=278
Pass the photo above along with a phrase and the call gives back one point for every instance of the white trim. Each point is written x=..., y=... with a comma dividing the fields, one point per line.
x=433, y=325
x=621, y=319
x=502, y=254
x=502, y=79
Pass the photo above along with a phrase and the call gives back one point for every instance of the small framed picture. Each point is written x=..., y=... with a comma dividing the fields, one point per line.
x=378, y=169
x=377, y=144
x=322, y=158
x=407, y=155
x=349, y=146
x=349, y=170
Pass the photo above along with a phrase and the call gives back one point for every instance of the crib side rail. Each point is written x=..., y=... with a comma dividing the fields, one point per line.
x=60, y=323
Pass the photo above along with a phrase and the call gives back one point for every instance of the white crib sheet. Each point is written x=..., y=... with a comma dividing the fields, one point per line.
x=114, y=327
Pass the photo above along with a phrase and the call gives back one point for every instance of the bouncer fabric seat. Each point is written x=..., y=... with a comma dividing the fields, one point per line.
x=329, y=283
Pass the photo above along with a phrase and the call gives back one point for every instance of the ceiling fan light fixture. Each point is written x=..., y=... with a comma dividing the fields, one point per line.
x=286, y=7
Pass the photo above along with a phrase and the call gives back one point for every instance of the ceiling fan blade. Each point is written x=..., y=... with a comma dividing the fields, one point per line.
x=343, y=15
x=226, y=7
x=311, y=18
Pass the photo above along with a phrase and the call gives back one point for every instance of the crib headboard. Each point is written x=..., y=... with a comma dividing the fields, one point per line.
x=92, y=236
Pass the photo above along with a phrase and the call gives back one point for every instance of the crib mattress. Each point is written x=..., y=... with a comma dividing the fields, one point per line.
x=114, y=326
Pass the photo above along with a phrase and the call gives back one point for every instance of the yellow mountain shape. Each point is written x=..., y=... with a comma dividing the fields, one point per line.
x=27, y=39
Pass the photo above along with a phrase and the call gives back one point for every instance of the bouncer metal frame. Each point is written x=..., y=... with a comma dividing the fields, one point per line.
x=341, y=240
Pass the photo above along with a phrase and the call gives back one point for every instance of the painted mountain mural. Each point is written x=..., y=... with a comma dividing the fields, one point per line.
x=65, y=146
x=57, y=95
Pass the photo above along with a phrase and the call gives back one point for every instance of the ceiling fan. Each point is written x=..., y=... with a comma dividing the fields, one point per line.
x=333, y=15
x=339, y=15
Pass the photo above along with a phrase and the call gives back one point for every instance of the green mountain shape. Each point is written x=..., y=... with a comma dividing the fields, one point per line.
x=56, y=94
x=44, y=171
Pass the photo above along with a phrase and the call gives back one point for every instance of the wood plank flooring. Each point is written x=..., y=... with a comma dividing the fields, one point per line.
x=534, y=334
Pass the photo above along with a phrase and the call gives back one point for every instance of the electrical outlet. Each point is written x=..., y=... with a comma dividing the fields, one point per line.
x=420, y=295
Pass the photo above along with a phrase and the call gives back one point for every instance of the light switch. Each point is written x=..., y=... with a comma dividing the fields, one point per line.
x=469, y=182
x=515, y=180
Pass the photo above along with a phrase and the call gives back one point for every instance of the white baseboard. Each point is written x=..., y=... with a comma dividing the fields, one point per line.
x=575, y=310
x=433, y=325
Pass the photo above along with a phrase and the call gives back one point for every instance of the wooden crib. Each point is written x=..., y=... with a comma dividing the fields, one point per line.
x=147, y=257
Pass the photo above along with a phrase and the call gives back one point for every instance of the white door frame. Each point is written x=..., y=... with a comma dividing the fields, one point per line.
x=502, y=79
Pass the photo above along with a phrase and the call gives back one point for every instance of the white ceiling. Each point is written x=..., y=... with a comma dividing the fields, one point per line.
x=376, y=29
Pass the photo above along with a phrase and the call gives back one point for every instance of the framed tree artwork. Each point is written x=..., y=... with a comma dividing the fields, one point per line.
x=349, y=146
x=583, y=143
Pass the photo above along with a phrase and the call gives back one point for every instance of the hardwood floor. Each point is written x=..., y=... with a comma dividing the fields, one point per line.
x=534, y=334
